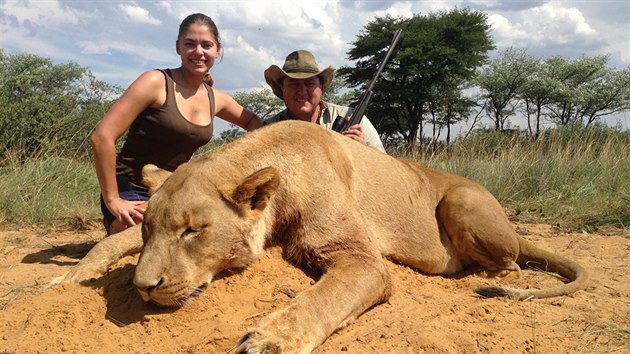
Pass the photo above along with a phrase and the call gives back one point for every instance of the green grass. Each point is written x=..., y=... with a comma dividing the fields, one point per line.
x=576, y=179
x=49, y=190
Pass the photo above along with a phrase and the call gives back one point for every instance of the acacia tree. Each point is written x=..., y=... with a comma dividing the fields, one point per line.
x=501, y=80
x=576, y=80
x=564, y=91
x=448, y=107
x=607, y=96
x=603, y=93
x=262, y=102
x=444, y=47
x=538, y=91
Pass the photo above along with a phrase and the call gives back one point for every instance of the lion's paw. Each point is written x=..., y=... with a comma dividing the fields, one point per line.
x=56, y=281
x=255, y=343
x=83, y=273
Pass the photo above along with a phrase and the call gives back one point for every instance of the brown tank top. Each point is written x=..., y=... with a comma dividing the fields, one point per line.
x=162, y=136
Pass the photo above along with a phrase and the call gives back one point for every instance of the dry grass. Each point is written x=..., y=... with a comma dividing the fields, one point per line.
x=574, y=178
x=577, y=178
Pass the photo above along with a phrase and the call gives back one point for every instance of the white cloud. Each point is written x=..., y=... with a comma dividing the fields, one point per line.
x=27, y=27
x=549, y=25
x=399, y=9
x=560, y=24
x=504, y=33
x=144, y=51
x=139, y=14
x=258, y=33
x=486, y=3
x=46, y=13
x=23, y=24
x=277, y=28
x=118, y=40
x=165, y=6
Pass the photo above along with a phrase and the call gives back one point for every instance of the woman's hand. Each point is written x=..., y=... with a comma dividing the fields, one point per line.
x=127, y=213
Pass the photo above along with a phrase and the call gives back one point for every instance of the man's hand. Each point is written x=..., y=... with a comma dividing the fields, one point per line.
x=355, y=132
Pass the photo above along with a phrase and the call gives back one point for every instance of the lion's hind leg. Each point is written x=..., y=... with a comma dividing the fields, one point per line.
x=505, y=275
x=479, y=231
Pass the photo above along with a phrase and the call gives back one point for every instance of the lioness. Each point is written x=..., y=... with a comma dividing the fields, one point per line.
x=330, y=202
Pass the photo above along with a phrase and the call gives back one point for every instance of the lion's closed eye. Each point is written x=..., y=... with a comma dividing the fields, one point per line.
x=193, y=230
x=190, y=232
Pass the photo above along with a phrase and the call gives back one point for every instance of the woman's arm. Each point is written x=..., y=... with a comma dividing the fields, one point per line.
x=230, y=110
x=146, y=91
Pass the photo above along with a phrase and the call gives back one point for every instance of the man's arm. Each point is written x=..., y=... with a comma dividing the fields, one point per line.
x=370, y=135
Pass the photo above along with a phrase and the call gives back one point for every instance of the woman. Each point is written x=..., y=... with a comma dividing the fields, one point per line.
x=169, y=115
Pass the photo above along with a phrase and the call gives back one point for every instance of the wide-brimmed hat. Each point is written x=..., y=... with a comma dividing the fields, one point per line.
x=300, y=64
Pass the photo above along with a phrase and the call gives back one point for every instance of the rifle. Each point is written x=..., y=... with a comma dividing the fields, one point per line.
x=356, y=113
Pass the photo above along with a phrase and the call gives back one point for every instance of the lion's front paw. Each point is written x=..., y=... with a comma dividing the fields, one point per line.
x=255, y=343
x=83, y=273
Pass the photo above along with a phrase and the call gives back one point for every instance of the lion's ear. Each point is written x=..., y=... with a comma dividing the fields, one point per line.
x=153, y=177
x=254, y=192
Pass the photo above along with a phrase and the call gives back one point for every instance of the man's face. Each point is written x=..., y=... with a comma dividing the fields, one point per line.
x=302, y=97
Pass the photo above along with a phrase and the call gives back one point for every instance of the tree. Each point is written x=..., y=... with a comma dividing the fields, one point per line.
x=563, y=91
x=435, y=51
x=334, y=92
x=577, y=80
x=262, y=102
x=502, y=80
x=446, y=109
x=72, y=133
x=574, y=91
x=44, y=104
x=230, y=134
x=603, y=96
x=538, y=91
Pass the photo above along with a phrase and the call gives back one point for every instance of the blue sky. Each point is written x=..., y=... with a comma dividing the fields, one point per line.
x=118, y=40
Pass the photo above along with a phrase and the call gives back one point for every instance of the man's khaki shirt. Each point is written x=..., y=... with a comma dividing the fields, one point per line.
x=328, y=115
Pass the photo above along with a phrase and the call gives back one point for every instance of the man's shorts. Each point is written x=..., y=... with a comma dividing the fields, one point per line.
x=127, y=192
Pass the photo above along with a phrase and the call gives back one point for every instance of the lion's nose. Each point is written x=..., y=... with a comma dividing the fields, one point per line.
x=145, y=287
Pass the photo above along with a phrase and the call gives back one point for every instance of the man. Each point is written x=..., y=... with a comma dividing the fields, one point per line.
x=301, y=85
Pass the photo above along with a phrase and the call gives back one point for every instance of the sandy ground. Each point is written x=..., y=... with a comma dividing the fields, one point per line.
x=426, y=314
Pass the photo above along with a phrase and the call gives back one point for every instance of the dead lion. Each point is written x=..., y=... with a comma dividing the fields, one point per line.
x=331, y=202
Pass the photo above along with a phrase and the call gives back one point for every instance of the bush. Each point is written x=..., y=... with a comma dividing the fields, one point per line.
x=48, y=107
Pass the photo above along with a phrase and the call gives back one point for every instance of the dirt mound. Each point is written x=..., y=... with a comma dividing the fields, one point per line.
x=425, y=314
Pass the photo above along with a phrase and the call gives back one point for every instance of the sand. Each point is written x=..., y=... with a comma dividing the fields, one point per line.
x=426, y=314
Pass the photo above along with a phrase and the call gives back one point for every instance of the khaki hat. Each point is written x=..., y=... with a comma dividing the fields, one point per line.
x=300, y=64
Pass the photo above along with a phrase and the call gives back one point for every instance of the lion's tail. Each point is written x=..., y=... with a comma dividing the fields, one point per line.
x=534, y=257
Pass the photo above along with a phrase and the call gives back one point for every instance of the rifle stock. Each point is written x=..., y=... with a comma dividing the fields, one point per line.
x=356, y=113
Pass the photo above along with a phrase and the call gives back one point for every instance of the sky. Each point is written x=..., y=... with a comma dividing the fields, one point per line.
x=118, y=40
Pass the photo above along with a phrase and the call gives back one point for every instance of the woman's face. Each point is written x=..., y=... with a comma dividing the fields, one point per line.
x=198, y=49
x=302, y=97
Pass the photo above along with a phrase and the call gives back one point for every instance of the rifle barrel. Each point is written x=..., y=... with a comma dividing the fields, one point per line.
x=384, y=62
x=356, y=113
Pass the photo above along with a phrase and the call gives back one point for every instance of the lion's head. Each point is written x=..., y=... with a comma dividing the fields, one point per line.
x=198, y=224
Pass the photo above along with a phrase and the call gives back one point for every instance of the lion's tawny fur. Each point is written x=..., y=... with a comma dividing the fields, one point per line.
x=331, y=202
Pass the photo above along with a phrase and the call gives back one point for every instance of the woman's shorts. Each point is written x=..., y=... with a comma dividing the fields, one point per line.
x=127, y=192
